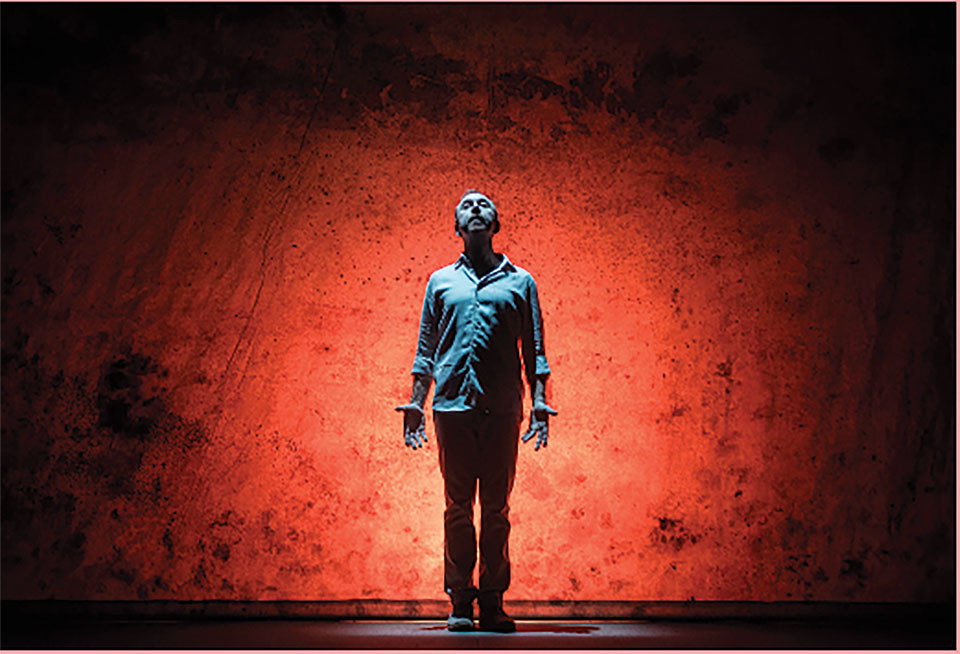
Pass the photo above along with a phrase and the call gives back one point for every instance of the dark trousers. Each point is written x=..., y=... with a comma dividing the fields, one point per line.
x=476, y=446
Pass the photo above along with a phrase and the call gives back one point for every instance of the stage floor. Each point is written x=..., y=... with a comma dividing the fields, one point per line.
x=531, y=634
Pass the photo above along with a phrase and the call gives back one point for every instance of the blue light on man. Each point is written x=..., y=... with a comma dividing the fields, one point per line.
x=475, y=311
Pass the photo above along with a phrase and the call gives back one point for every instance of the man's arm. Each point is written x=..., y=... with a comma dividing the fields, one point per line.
x=537, y=370
x=539, y=414
x=421, y=386
x=539, y=390
x=531, y=340
x=414, y=433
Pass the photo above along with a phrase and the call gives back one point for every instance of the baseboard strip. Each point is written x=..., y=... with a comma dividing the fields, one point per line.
x=369, y=609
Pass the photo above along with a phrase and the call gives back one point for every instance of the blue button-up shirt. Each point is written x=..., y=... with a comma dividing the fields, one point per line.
x=469, y=331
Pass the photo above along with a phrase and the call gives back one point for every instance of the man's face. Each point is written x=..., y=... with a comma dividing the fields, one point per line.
x=475, y=213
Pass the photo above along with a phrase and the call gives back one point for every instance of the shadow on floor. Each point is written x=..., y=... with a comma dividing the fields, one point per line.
x=535, y=628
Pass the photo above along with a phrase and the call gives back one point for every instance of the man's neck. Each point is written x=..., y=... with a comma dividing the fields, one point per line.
x=482, y=257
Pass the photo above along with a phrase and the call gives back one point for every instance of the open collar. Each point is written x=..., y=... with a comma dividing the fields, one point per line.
x=505, y=266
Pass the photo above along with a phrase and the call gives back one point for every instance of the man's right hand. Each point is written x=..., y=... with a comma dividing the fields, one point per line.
x=414, y=432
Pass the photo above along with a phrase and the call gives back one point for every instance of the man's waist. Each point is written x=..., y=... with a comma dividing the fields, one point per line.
x=487, y=408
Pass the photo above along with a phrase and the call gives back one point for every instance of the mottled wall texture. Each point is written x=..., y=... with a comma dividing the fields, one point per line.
x=217, y=226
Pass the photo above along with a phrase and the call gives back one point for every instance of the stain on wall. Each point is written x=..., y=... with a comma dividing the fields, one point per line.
x=217, y=222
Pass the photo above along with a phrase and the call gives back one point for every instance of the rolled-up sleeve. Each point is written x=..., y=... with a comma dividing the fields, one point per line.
x=427, y=341
x=534, y=353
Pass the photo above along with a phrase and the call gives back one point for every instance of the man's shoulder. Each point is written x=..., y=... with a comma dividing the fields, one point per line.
x=451, y=273
x=444, y=274
x=522, y=274
x=449, y=269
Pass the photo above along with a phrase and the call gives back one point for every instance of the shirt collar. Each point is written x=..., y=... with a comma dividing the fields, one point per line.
x=505, y=265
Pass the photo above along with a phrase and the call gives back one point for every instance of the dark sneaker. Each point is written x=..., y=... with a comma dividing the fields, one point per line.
x=497, y=621
x=492, y=617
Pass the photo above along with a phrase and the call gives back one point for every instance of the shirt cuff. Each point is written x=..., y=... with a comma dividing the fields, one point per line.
x=542, y=368
x=422, y=366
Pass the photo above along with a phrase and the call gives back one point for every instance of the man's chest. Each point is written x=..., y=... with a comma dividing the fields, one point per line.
x=496, y=298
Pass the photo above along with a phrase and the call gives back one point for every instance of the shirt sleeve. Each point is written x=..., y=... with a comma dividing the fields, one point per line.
x=534, y=354
x=427, y=340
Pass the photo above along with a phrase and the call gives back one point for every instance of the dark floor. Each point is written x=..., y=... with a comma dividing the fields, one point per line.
x=531, y=634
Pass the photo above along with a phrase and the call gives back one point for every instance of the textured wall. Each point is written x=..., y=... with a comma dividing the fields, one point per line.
x=217, y=226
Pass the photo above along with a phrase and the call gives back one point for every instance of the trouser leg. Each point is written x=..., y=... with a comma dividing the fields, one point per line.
x=499, y=434
x=457, y=443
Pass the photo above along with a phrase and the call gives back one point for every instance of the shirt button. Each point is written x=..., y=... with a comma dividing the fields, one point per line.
x=486, y=412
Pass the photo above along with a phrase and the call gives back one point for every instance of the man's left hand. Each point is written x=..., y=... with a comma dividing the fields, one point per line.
x=539, y=416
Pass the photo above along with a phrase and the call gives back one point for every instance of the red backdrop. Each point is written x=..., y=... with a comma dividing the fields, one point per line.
x=217, y=227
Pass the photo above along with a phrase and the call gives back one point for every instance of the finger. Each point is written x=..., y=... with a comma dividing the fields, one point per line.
x=544, y=437
x=537, y=446
x=409, y=407
x=527, y=436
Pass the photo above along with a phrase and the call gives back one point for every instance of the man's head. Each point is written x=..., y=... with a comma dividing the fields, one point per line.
x=475, y=213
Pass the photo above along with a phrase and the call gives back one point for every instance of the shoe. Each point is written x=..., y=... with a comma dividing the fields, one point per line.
x=492, y=617
x=461, y=618
x=457, y=623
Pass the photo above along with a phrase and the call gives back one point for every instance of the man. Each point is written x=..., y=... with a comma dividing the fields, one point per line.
x=474, y=313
